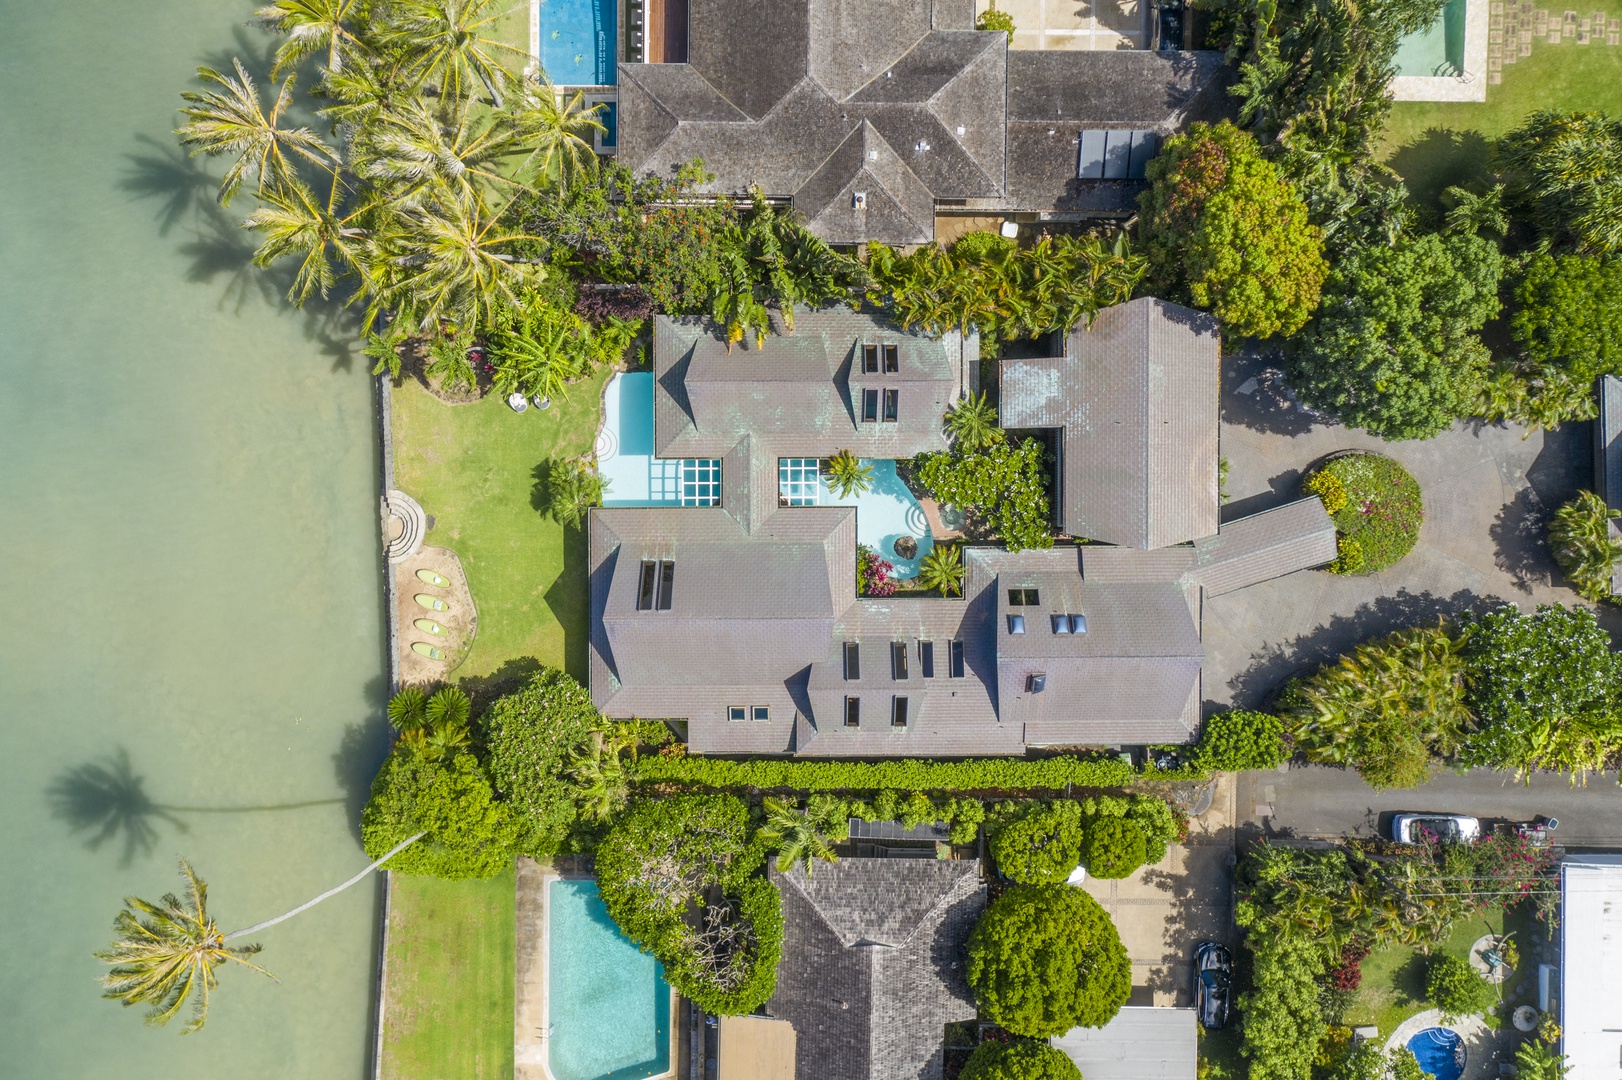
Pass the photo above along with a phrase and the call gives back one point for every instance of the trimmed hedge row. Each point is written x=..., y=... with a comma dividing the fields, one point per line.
x=910, y=774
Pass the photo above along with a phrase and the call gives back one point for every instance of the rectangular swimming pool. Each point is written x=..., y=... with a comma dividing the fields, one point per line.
x=1437, y=50
x=625, y=453
x=580, y=41
x=607, y=1002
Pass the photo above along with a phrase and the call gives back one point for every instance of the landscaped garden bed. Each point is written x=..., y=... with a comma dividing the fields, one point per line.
x=1376, y=506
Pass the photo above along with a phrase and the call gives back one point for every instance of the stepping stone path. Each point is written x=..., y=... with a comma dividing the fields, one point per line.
x=1514, y=25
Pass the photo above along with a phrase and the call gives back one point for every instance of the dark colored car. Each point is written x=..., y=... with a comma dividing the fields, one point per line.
x=1213, y=985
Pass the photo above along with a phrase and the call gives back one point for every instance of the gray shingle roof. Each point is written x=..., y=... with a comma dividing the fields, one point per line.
x=1295, y=536
x=1136, y=395
x=872, y=965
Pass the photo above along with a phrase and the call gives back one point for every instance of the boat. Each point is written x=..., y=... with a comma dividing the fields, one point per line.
x=422, y=648
x=432, y=603
x=429, y=626
x=433, y=579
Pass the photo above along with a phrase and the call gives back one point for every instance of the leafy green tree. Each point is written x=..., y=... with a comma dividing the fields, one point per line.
x=1238, y=739
x=531, y=735
x=1281, y=1020
x=1040, y=844
x=1568, y=314
x=1115, y=847
x=1453, y=986
x=768, y=259
x=1385, y=708
x=1046, y=958
x=1580, y=538
x=166, y=953
x=1002, y=486
x=1024, y=1059
x=1394, y=348
x=1564, y=172
x=972, y=423
x=847, y=475
x=1546, y=690
x=801, y=837
x=232, y=121
x=942, y=570
x=466, y=832
x=1220, y=221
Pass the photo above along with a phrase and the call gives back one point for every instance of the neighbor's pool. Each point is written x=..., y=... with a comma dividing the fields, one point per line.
x=1440, y=1052
x=1437, y=50
x=884, y=513
x=608, y=1006
x=579, y=40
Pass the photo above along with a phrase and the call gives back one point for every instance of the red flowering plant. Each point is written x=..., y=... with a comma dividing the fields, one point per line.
x=1348, y=973
x=873, y=573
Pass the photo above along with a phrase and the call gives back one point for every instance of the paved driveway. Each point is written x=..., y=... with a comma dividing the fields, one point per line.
x=1487, y=495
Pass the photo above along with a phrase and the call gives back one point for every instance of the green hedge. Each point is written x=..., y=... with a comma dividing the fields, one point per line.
x=910, y=774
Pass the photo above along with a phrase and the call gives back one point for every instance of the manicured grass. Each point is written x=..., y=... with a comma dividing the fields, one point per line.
x=473, y=468
x=1393, y=986
x=449, y=989
x=1435, y=144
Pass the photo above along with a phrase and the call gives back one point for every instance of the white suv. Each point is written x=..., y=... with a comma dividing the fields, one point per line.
x=1435, y=829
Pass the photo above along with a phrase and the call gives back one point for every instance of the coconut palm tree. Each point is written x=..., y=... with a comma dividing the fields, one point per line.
x=313, y=27
x=847, y=475
x=231, y=120
x=573, y=487
x=448, y=46
x=1581, y=539
x=417, y=146
x=803, y=836
x=942, y=570
x=451, y=261
x=326, y=238
x=558, y=129
x=165, y=954
x=972, y=424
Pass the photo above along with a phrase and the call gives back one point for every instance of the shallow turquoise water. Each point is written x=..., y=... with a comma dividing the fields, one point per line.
x=608, y=1006
x=1439, y=48
x=578, y=41
x=191, y=562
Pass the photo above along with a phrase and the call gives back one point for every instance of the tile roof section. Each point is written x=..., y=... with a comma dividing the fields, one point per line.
x=1295, y=536
x=872, y=966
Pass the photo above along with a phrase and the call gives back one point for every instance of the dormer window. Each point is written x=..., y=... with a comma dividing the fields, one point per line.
x=853, y=712
x=870, y=359
x=898, y=660
x=892, y=405
x=955, y=663
x=656, y=585
x=1024, y=598
x=898, y=712
x=870, y=406
x=892, y=360
x=853, y=661
x=926, y=659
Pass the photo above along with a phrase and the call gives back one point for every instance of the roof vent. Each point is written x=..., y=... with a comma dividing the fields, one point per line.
x=921, y=146
x=960, y=129
x=858, y=201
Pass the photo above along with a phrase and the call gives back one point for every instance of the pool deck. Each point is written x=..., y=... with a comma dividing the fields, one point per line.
x=1472, y=85
x=1480, y=1044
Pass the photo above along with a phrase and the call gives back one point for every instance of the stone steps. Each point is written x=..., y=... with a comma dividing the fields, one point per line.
x=401, y=544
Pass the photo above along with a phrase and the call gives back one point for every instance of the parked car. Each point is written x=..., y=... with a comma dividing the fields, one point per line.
x=1213, y=984
x=1435, y=829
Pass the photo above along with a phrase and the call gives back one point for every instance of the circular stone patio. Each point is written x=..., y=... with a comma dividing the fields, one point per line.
x=1478, y=1041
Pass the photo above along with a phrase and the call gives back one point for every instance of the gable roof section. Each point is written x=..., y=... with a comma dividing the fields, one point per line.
x=1295, y=536
x=1136, y=395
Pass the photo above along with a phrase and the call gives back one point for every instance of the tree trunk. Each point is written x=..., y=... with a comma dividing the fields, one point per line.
x=308, y=904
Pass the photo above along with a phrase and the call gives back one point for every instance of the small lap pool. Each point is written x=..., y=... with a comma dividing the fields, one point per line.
x=1440, y=1052
x=625, y=453
x=607, y=1003
x=1437, y=50
x=579, y=40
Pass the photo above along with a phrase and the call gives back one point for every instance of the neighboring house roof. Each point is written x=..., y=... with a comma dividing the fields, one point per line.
x=1608, y=456
x=1136, y=397
x=1141, y=1043
x=1591, y=964
x=872, y=964
x=754, y=1048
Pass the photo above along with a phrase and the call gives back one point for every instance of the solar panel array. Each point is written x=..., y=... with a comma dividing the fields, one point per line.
x=1115, y=153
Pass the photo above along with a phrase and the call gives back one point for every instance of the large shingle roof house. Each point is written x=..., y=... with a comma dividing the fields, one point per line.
x=869, y=114
x=743, y=619
x=872, y=964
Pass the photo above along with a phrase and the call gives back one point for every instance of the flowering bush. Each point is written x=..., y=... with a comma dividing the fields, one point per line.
x=599, y=305
x=1327, y=486
x=873, y=573
x=1379, y=513
x=531, y=735
x=1005, y=485
x=1348, y=557
x=1348, y=974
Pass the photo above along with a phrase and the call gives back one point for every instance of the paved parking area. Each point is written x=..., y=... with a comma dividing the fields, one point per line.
x=1076, y=24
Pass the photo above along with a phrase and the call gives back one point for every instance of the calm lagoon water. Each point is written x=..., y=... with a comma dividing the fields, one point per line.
x=190, y=563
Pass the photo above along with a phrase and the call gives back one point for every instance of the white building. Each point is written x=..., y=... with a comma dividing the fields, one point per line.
x=1141, y=1043
x=1590, y=1003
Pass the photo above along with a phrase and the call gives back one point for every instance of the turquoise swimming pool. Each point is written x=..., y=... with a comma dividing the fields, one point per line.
x=1437, y=50
x=625, y=453
x=607, y=1003
x=885, y=512
x=579, y=41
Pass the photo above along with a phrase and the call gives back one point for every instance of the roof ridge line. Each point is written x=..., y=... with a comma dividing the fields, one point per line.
x=910, y=50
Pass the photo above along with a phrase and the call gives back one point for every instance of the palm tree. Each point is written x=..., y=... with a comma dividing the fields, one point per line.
x=313, y=27
x=573, y=487
x=847, y=475
x=451, y=263
x=802, y=836
x=231, y=121
x=942, y=570
x=448, y=705
x=169, y=956
x=559, y=130
x=408, y=709
x=601, y=786
x=416, y=147
x=447, y=45
x=972, y=424
x=295, y=223
x=1583, y=543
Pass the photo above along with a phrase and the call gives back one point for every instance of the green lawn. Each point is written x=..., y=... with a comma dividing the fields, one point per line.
x=1435, y=144
x=473, y=468
x=450, y=980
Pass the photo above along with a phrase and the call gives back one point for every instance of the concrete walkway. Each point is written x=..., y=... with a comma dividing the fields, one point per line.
x=1487, y=491
x=529, y=1006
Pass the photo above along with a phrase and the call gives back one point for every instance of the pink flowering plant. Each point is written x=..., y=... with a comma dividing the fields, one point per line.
x=873, y=574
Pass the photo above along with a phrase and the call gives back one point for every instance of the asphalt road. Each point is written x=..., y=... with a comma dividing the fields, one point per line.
x=1312, y=802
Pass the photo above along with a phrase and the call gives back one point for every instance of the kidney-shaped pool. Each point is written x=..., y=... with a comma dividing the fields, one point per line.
x=608, y=1005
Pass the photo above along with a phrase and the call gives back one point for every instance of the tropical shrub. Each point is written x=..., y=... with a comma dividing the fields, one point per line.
x=1453, y=986
x=1046, y=958
x=1546, y=690
x=1238, y=739
x=1023, y=1059
x=801, y=837
x=1537, y=1059
x=1394, y=348
x=1563, y=172
x=1535, y=395
x=873, y=573
x=1219, y=223
x=530, y=737
x=1580, y=539
x=573, y=486
x=1329, y=488
x=1039, y=843
x=1347, y=974
x=994, y=20
x=667, y=856
x=1280, y=1018
x=469, y=833
x=1385, y=708
x=942, y=570
x=972, y=423
x=1568, y=314
x=1349, y=558
x=1381, y=509
x=963, y=815
x=1115, y=847
x=604, y=306
x=907, y=774
x=1004, y=486
x=846, y=474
